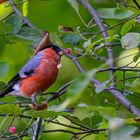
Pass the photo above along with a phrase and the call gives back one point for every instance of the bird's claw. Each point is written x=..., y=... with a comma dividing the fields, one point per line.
x=41, y=106
x=56, y=94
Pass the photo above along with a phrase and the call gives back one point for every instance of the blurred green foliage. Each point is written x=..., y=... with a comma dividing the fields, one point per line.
x=91, y=106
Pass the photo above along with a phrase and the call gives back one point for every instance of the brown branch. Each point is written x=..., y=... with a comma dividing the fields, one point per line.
x=100, y=25
x=123, y=100
x=25, y=20
x=117, y=94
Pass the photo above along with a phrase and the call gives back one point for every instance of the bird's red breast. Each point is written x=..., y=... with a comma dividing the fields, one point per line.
x=44, y=75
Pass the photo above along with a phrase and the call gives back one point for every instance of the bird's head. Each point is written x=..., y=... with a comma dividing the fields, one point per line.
x=57, y=49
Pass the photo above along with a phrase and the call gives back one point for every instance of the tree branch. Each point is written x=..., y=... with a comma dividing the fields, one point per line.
x=100, y=25
x=121, y=23
x=25, y=20
x=120, y=69
x=37, y=129
x=136, y=3
x=117, y=94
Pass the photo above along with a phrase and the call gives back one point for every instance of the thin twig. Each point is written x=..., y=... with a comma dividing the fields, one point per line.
x=37, y=129
x=123, y=100
x=25, y=20
x=69, y=126
x=75, y=133
x=76, y=123
x=121, y=23
x=117, y=94
x=120, y=69
x=59, y=130
x=100, y=25
x=136, y=4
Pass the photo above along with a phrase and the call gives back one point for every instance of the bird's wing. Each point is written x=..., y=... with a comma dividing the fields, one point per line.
x=27, y=70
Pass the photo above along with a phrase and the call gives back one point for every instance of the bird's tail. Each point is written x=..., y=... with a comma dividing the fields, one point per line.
x=6, y=90
x=2, y=94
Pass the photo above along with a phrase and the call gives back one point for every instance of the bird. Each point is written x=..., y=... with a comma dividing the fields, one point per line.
x=37, y=75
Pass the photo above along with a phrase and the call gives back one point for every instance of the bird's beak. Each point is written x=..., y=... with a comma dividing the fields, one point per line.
x=61, y=53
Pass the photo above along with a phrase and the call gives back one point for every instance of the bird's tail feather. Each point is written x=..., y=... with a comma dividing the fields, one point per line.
x=2, y=94
x=6, y=90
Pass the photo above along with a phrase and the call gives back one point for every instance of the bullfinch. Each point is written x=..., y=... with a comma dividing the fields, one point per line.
x=37, y=75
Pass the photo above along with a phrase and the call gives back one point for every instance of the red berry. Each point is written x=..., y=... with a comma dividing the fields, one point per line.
x=68, y=50
x=12, y=129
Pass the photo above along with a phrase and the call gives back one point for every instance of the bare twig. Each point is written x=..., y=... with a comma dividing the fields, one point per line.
x=121, y=69
x=117, y=94
x=99, y=23
x=76, y=123
x=69, y=126
x=121, y=23
x=136, y=4
x=59, y=130
x=25, y=20
x=76, y=133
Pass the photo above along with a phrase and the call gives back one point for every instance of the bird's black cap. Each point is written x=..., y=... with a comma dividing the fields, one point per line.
x=57, y=49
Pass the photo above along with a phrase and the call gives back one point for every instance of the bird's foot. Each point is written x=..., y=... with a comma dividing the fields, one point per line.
x=41, y=106
x=36, y=106
x=56, y=94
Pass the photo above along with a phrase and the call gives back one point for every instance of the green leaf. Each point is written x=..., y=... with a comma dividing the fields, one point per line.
x=16, y=22
x=26, y=138
x=130, y=40
x=136, y=86
x=84, y=111
x=10, y=109
x=17, y=53
x=5, y=11
x=80, y=82
x=74, y=4
x=114, y=13
x=87, y=43
x=32, y=34
x=106, y=112
x=4, y=68
x=122, y=133
x=89, y=111
x=25, y=6
x=60, y=17
x=127, y=26
x=136, y=57
x=102, y=86
x=2, y=85
x=2, y=41
x=88, y=48
x=102, y=136
x=72, y=39
x=110, y=38
x=5, y=28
